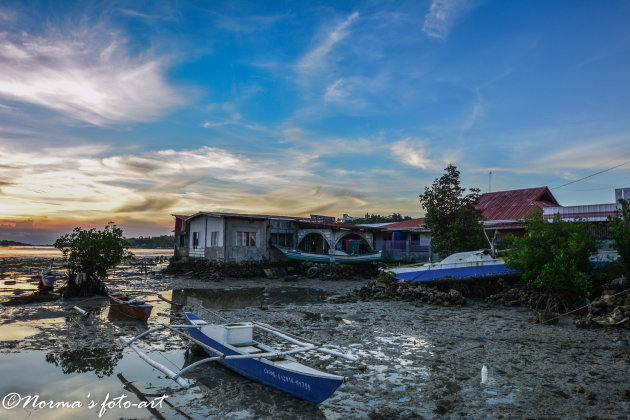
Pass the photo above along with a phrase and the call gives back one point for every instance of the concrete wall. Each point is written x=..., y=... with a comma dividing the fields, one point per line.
x=235, y=252
x=339, y=234
x=217, y=252
x=198, y=224
x=333, y=236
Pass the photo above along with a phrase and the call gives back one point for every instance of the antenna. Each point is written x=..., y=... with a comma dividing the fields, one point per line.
x=490, y=181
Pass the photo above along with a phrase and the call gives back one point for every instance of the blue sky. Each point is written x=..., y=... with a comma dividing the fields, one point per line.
x=131, y=111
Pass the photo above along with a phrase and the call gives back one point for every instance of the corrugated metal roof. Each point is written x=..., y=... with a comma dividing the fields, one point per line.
x=514, y=204
x=406, y=224
x=180, y=216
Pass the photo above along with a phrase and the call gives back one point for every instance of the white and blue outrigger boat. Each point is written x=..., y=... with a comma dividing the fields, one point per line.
x=233, y=346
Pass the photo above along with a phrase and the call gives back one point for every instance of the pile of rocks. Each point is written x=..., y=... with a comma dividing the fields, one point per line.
x=217, y=270
x=536, y=299
x=386, y=287
x=612, y=309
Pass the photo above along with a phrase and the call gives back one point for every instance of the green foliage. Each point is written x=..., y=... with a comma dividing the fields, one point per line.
x=164, y=241
x=619, y=229
x=451, y=215
x=377, y=218
x=93, y=251
x=553, y=256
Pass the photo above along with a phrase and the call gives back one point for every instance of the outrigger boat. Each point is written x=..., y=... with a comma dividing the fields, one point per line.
x=233, y=346
x=48, y=279
x=336, y=256
x=134, y=307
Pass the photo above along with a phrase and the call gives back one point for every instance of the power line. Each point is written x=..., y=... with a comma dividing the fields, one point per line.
x=591, y=175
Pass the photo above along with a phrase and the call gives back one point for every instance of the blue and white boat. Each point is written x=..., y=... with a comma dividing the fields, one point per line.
x=459, y=266
x=48, y=279
x=233, y=345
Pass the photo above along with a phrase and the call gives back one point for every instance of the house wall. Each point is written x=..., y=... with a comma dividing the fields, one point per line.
x=399, y=246
x=217, y=252
x=234, y=252
x=198, y=225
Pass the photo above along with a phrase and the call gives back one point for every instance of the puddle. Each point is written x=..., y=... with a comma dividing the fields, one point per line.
x=14, y=332
x=19, y=330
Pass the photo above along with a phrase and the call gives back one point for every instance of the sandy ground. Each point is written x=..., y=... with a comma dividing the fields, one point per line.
x=415, y=361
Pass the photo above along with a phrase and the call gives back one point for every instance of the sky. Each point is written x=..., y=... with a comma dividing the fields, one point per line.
x=131, y=111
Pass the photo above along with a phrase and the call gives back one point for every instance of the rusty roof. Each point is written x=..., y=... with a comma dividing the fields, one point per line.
x=413, y=224
x=514, y=204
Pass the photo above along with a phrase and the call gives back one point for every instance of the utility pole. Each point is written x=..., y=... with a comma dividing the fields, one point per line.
x=490, y=181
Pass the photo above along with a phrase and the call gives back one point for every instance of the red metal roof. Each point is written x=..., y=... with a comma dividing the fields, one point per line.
x=406, y=224
x=514, y=204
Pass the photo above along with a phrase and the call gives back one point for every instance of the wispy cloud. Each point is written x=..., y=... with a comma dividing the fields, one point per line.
x=442, y=15
x=315, y=59
x=416, y=153
x=85, y=74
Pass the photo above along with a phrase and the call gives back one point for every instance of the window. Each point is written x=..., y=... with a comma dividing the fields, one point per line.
x=195, y=239
x=214, y=239
x=245, y=238
x=282, y=239
x=182, y=241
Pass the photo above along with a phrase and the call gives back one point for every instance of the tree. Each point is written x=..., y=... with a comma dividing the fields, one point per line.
x=619, y=229
x=553, y=256
x=377, y=218
x=91, y=252
x=451, y=215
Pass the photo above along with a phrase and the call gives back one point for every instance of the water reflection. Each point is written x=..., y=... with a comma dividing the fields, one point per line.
x=100, y=360
x=247, y=297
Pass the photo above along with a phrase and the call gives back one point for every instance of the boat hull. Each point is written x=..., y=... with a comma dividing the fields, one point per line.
x=48, y=279
x=309, y=387
x=455, y=273
x=460, y=266
x=141, y=312
x=297, y=254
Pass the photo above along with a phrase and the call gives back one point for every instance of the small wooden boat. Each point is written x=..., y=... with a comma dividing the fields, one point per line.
x=48, y=279
x=459, y=266
x=134, y=307
x=233, y=346
x=338, y=256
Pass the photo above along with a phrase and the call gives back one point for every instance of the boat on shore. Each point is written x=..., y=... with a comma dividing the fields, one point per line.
x=459, y=266
x=48, y=278
x=233, y=346
x=133, y=307
x=338, y=256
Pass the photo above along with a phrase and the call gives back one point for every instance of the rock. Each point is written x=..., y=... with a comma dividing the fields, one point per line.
x=550, y=318
x=620, y=282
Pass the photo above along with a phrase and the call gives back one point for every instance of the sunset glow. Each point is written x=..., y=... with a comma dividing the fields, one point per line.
x=132, y=111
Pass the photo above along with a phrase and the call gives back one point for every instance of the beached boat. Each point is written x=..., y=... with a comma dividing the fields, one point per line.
x=459, y=266
x=338, y=256
x=134, y=307
x=233, y=345
x=48, y=278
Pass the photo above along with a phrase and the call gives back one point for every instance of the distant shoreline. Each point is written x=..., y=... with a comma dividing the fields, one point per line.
x=15, y=243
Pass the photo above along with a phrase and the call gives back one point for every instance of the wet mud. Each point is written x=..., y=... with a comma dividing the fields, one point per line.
x=415, y=361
